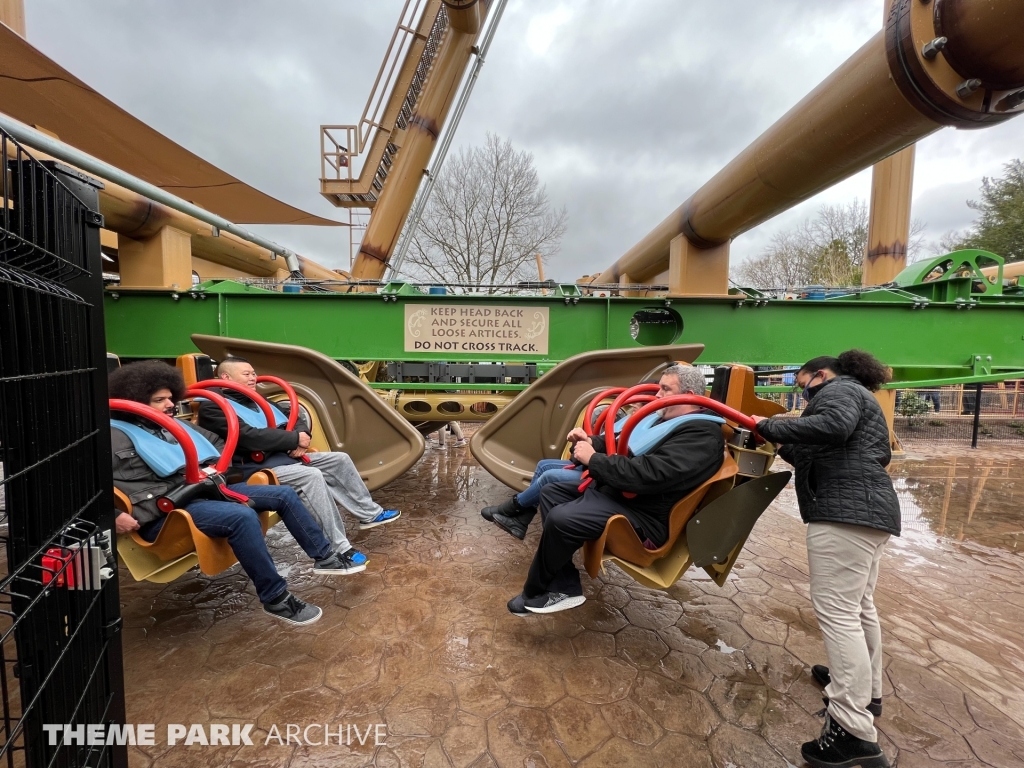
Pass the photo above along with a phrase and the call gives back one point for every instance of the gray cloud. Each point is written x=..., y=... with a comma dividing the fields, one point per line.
x=627, y=107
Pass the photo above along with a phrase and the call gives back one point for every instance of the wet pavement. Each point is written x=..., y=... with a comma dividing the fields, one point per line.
x=696, y=676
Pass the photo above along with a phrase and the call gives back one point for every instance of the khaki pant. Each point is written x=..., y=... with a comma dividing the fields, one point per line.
x=843, y=561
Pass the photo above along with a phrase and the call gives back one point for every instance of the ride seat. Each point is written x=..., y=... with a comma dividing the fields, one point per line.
x=663, y=566
x=734, y=385
x=195, y=367
x=180, y=545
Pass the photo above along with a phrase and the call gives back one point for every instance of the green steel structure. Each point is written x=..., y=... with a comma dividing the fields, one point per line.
x=942, y=321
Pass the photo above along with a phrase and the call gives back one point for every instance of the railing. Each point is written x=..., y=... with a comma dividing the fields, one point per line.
x=60, y=651
x=341, y=144
x=942, y=414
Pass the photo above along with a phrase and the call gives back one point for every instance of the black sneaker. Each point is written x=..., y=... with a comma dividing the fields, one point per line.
x=291, y=610
x=514, y=525
x=343, y=564
x=516, y=606
x=822, y=677
x=552, y=602
x=508, y=508
x=838, y=748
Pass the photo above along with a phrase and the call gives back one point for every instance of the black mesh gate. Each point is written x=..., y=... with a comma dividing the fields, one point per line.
x=60, y=670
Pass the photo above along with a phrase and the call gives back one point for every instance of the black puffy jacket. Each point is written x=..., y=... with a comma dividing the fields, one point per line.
x=273, y=442
x=840, y=448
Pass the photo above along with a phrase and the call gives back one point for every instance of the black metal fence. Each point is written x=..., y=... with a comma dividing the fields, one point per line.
x=60, y=647
x=953, y=413
x=957, y=414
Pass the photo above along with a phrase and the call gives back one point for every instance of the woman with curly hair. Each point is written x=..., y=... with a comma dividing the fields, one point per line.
x=839, y=448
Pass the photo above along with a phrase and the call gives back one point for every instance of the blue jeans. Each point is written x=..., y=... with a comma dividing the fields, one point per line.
x=548, y=471
x=241, y=527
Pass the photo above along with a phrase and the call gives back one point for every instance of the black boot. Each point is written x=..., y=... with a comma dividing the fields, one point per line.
x=822, y=677
x=509, y=508
x=838, y=748
x=515, y=525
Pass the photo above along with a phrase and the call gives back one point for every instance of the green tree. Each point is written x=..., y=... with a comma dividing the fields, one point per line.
x=1000, y=225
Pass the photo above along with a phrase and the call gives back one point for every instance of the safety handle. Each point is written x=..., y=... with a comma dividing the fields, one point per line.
x=609, y=427
x=293, y=399
x=192, y=472
x=257, y=398
x=588, y=415
x=730, y=414
x=231, y=441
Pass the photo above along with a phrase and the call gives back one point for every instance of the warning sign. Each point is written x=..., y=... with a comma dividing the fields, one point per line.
x=476, y=329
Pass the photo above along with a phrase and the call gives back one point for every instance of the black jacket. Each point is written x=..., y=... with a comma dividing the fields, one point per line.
x=662, y=476
x=134, y=478
x=840, y=448
x=274, y=443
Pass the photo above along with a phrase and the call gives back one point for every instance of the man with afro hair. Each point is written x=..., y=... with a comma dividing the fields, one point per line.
x=160, y=386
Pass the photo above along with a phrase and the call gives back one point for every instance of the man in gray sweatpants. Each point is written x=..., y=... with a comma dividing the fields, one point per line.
x=325, y=479
x=332, y=478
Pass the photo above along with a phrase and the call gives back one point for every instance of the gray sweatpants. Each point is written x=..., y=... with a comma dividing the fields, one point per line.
x=331, y=479
x=843, y=562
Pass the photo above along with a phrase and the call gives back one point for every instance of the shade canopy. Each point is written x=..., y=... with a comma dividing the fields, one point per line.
x=39, y=92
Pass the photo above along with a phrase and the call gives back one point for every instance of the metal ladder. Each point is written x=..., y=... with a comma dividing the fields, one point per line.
x=409, y=58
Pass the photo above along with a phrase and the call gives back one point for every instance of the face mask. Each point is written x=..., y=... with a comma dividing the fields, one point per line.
x=811, y=390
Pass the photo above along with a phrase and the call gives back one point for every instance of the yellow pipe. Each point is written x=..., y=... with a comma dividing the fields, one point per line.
x=885, y=97
x=131, y=215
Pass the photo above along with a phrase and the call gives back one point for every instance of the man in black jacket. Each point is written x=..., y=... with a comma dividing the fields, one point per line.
x=328, y=479
x=687, y=456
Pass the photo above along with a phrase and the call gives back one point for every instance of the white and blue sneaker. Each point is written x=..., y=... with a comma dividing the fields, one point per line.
x=341, y=563
x=387, y=516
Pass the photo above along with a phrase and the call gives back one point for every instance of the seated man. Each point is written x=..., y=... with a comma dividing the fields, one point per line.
x=330, y=477
x=515, y=514
x=677, y=451
x=160, y=386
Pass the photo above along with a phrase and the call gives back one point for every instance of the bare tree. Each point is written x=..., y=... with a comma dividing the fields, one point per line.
x=488, y=218
x=785, y=263
x=826, y=250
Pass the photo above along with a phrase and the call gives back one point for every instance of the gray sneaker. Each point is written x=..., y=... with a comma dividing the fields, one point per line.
x=552, y=602
x=292, y=610
x=341, y=563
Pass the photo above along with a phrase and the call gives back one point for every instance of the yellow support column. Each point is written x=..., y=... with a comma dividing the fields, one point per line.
x=694, y=271
x=161, y=261
x=892, y=182
x=887, y=399
x=12, y=13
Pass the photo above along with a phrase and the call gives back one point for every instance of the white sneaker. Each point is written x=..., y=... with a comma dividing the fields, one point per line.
x=552, y=602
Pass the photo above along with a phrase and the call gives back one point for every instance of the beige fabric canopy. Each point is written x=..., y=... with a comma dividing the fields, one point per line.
x=39, y=92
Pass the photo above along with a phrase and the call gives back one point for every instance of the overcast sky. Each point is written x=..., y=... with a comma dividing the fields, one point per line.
x=626, y=106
